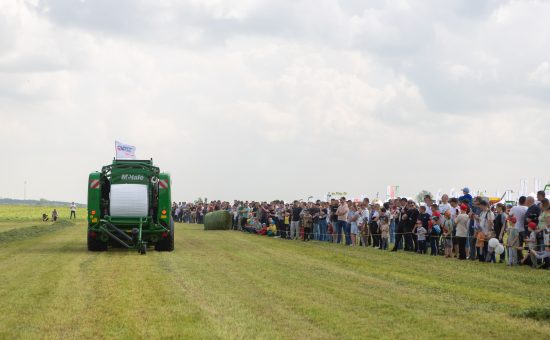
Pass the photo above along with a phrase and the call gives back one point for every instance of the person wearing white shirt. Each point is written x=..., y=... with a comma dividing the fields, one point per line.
x=518, y=212
x=444, y=204
x=73, y=211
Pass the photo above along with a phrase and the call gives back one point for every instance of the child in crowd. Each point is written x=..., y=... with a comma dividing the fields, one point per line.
x=490, y=255
x=286, y=224
x=421, y=232
x=448, y=228
x=480, y=243
x=424, y=219
x=531, y=243
x=434, y=235
x=272, y=228
x=512, y=243
x=384, y=232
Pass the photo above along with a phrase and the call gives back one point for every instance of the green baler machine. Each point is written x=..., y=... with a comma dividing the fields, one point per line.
x=129, y=206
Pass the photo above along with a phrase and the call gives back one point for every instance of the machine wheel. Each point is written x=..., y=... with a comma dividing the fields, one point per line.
x=167, y=243
x=96, y=245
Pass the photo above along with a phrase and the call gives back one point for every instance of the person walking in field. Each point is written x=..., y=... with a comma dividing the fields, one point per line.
x=54, y=215
x=73, y=211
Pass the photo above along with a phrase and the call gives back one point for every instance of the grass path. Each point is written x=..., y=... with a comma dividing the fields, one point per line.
x=233, y=285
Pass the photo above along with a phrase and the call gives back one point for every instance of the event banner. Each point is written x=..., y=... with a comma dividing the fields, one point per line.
x=125, y=151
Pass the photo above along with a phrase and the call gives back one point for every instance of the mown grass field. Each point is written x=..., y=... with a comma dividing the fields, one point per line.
x=225, y=284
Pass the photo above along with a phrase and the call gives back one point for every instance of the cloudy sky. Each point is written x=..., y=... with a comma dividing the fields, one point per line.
x=276, y=99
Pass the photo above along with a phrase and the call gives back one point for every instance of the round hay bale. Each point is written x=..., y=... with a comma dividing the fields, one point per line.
x=218, y=220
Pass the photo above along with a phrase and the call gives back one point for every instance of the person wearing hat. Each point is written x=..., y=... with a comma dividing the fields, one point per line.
x=531, y=243
x=466, y=197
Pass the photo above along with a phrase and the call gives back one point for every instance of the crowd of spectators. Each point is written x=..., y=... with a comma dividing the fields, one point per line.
x=462, y=227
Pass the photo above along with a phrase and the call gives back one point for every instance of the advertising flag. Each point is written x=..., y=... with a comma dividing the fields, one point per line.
x=125, y=151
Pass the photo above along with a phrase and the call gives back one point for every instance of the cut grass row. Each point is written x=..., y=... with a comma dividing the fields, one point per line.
x=225, y=284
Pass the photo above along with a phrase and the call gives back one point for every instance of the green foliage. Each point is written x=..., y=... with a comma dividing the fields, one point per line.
x=538, y=313
x=217, y=220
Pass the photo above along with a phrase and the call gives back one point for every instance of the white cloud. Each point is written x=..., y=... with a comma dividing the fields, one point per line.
x=269, y=99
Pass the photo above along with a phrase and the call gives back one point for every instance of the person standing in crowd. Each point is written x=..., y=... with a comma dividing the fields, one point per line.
x=462, y=222
x=448, y=229
x=473, y=227
x=384, y=227
x=420, y=233
x=295, y=222
x=323, y=214
x=393, y=213
x=541, y=195
x=512, y=242
x=410, y=221
x=73, y=211
x=373, y=225
x=401, y=224
x=500, y=226
x=434, y=231
x=455, y=210
x=341, y=226
x=485, y=222
x=541, y=226
x=444, y=205
x=532, y=213
x=424, y=219
x=333, y=218
x=363, y=224
x=315, y=212
x=519, y=212
x=352, y=224
x=286, y=230
x=466, y=197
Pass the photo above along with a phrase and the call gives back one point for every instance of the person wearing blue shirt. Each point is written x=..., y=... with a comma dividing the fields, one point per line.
x=466, y=197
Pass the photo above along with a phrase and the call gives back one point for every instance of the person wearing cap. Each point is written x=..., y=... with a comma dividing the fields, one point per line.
x=466, y=197
x=531, y=242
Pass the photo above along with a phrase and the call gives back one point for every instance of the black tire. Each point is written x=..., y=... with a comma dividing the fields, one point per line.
x=167, y=243
x=96, y=245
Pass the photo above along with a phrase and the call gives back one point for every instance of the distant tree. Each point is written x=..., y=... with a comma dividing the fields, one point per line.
x=422, y=194
x=198, y=200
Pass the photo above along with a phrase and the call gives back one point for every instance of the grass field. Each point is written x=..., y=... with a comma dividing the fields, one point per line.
x=225, y=284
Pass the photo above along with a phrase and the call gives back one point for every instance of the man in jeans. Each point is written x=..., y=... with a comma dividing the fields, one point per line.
x=342, y=224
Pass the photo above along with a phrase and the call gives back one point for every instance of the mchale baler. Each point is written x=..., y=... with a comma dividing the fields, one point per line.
x=129, y=206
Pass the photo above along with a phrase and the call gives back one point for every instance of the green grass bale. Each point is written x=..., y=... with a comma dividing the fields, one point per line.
x=218, y=220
